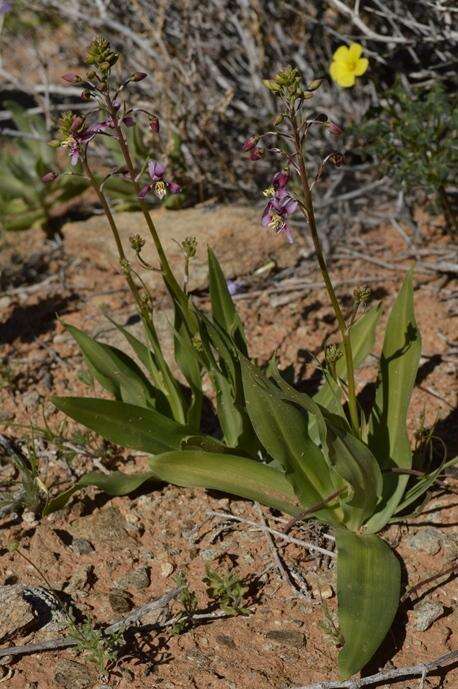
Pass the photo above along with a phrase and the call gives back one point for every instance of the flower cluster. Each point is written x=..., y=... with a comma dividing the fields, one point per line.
x=280, y=205
x=158, y=185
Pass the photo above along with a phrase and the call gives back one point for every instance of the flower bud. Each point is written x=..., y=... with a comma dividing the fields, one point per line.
x=128, y=121
x=257, y=153
x=86, y=95
x=76, y=123
x=314, y=85
x=137, y=242
x=154, y=124
x=250, y=143
x=138, y=76
x=71, y=77
x=333, y=353
x=49, y=177
x=335, y=129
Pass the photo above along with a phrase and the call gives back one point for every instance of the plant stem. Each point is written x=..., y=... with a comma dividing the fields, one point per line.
x=308, y=210
x=165, y=266
x=169, y=387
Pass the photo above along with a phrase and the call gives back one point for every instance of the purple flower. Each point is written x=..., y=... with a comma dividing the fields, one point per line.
x=5, y=7
x=128, y=120
x=158, y=185
x=277, y=211
x=80, y=135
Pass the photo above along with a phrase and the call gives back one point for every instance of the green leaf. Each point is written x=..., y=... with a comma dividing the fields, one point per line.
x=223, y=308
x=114, y=370
x=282, y=430
x=357, y=466
x=421, y=486
x=398, y=368
x=368, y=589
x=127, y=425
x=362, y=337
x=228, y=473
x=188, y=359
x=114, y=484
x=23, y=221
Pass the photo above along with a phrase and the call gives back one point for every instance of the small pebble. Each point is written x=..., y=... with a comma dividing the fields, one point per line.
x=81, y=546
x=120, y=601
x=425, y=614
x=166, y=569
x=287, y=637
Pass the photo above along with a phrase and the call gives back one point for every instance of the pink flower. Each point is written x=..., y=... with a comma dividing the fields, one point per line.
x=277, y=211
x=158, y=185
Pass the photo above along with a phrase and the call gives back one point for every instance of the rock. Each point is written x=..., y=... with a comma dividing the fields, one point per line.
x=120, y=601
x=72, y=675
x=166, y=569
x=324, y=592
x=81, y=546
x=80, y=579
x=137, y=578
x=425, y=614
x=287, y=637
x=106, y=526
x=16, y=613
x=427, y=539
x=225, y=640
x=234, y=233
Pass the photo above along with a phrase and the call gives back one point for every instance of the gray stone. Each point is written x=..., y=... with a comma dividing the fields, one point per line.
x=16, y=613
x=425, y=614
x=105, y=526
x=120, y=601
x=80, y=579
x=427, y=539
x=72, y=675
x=81, y=546
x=287, y=637
x=137, y=578
x=225, y=640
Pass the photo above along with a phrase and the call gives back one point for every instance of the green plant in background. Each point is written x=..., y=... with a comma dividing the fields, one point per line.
x=228, y=591
x=323, y=456
x=25, y=199
x=100, y=647
x=414, y=137
x=28, y=492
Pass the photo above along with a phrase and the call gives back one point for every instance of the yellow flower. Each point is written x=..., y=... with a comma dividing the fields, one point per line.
x=347, y=64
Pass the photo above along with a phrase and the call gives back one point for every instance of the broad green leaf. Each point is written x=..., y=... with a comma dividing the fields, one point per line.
x=228, y=473
x=229, y=416
x=127, y=425
x=398, y=368
x=223, y=308
x=23, y=221
x=114, y=370
x=114, y=484
x=362, y=337
x=189, y=361
x=282, y=430
x=357, y=466
x=368, y=589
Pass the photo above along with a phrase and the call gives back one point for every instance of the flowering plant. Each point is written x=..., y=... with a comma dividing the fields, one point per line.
x=323, y=456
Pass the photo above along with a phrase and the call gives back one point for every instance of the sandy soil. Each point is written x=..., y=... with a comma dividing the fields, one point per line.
x=162, y=532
